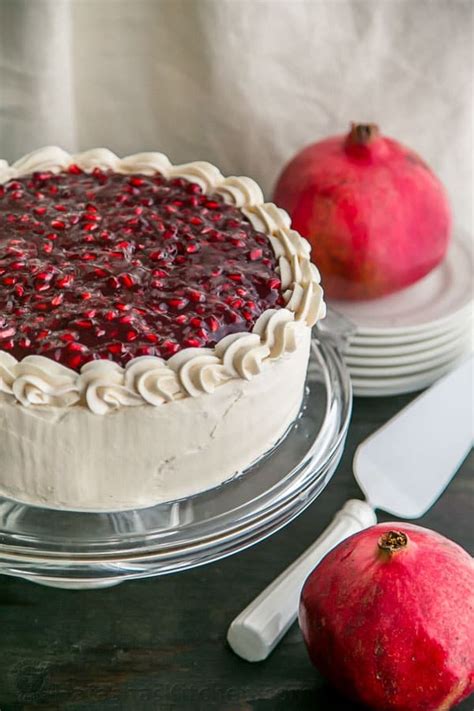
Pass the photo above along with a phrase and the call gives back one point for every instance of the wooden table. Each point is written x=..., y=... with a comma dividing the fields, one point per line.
x=159, y=644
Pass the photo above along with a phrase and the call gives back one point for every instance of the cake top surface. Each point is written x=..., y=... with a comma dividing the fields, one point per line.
x=103, y=265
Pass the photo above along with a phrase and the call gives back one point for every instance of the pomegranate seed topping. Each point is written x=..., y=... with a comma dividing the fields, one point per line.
x=185, y=269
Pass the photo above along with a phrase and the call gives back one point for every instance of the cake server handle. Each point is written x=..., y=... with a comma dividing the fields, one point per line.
x=259, y=628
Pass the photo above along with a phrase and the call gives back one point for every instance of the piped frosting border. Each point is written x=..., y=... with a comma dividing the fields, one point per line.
x=104, y=386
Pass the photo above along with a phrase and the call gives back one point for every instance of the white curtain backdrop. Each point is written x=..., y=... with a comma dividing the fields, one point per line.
x=241, y=83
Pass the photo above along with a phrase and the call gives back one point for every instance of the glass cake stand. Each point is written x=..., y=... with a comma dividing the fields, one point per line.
x=92, y=550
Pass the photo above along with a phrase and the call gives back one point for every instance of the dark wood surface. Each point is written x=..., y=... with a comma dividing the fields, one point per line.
x=159, y=644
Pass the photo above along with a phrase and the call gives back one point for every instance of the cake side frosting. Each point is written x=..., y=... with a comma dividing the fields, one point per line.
x=104, y=386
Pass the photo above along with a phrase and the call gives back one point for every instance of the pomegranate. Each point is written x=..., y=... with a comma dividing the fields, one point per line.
x=388, y=618
x=377, y=217
x=102, y=265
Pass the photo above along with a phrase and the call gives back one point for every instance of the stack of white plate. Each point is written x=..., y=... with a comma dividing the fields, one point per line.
x=404, y=342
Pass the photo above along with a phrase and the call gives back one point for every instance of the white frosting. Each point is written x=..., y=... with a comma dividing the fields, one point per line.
x=68, y=458
x=103, y=386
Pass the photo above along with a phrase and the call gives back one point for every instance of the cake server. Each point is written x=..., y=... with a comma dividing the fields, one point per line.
x=402, y=468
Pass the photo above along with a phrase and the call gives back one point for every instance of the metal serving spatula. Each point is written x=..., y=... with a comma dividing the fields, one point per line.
x=402, y=468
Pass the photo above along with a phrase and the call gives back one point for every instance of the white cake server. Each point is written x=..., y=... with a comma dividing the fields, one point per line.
x=402, y=468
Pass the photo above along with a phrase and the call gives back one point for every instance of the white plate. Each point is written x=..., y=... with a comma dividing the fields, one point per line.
x=385, y=370
x=374, y=360
x=431, y=303
x=353, y=349
x=409, y=383
x=462, y=318
x=463, y=343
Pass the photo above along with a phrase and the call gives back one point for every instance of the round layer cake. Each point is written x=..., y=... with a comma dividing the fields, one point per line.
x=154, y=328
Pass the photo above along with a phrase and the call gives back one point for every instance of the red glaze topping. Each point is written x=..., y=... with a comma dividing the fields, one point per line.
x=113, y=266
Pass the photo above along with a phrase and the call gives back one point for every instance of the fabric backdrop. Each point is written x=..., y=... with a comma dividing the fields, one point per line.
x=241, y=83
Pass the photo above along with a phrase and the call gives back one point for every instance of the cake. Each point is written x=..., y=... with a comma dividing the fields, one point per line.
x=155, y=326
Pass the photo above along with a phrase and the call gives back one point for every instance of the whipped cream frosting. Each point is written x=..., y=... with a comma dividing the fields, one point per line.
x=103, y=386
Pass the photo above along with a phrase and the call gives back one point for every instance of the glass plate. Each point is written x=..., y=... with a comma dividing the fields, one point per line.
x=81, y=550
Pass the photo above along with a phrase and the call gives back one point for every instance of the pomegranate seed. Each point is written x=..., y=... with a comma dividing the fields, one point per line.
x=170, y=347
x=192, y=342
x=177, y=303
x=7, y=333
x=122, y=307
x=127, y=280
x=113, y=283
x=274, y=283
x=115, y=348
x=196, y=296
x=90, y=226
x=213, y=323
x=255, y=254
x=66, y=337
x=65, y=281
x=58, y=225
x=74, y=169
x=84, y=323
x=75, y=361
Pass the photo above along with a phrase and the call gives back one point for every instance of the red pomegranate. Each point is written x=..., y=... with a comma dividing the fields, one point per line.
x=377, y=217
x=388, y=618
